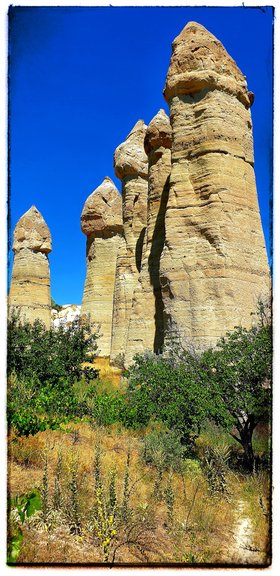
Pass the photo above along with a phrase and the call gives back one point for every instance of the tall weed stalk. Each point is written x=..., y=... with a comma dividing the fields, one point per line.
x=57, y=495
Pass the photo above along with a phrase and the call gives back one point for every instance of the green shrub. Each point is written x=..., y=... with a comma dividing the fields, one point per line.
x=31, y=409
x=26, y=422
x=89, y=373
x=48, y=355
x=58, y=400
x=171, y=388
x=107, y=409
x=239, y=372
x=42, y=367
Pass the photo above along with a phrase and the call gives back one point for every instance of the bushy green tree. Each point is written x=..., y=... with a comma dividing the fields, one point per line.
x=48, y=355
x=172, y=388
x=42, y=367
x=239, y=371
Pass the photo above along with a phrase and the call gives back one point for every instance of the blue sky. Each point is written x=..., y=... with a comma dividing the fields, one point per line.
x=80, y=78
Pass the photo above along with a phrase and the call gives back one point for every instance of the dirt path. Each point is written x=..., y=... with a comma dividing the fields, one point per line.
x=242, y=550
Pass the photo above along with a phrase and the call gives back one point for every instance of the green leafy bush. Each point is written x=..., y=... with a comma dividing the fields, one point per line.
x=26, y=422
x=172, y=388
x=48, y=355
x=89, y=373
x=102, y=402
x=239, y=371
x=107, y=408
x=42, y=367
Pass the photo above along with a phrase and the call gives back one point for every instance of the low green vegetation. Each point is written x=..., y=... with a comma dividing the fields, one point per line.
x=42, y=367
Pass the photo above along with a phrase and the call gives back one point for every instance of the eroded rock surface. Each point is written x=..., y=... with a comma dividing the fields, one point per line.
x=101, y=221
x=30, y=284
x=131, y=166
x=146, y=321
x=214, y=264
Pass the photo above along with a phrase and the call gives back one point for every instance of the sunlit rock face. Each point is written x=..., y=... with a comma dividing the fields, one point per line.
x=145, y=330
x=131, y=166
x=101, y=221
x=214, y=265
x=30, y=284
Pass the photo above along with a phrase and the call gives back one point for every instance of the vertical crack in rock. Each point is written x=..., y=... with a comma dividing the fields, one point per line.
x=131, y=166
x=30, y=285
x=214, y=266
x=101, y=221
x=145, y=330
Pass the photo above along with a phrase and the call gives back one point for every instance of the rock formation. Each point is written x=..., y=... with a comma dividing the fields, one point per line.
x=146, y=322
x=131, y=166
x=181, y=255
x=214, y=264
x=30, y=284
x=101, y=221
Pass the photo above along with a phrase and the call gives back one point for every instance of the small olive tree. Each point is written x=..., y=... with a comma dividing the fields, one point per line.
x=171, y=388
x=239, y=371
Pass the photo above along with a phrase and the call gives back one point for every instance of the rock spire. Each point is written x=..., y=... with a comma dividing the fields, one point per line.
x=30, y=283
x=101, y=221
x=146, y=321
x=131, y=166
x=214, y=264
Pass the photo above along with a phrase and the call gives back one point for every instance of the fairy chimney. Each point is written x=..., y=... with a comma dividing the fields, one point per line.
x=146, y=322
x=30, y=284
x=101, y=222
x=131, y=167
x=214, y=265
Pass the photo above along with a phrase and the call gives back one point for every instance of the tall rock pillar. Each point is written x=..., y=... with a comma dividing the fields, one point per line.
x=131, y=166
x=101, y=221
x=214, y=264
x=30, y=284
x=146, y=322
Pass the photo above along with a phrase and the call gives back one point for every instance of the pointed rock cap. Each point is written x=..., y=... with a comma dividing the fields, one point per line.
x=102, y=212
x=130, y=158
x=158, y=132
x=32, y=232
x=200, y=61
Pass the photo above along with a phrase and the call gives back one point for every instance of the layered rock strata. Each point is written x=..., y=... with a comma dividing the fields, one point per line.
x=131, y=166
x=30, y=284
x=146, y=322
x=101, y=221
x=214, y=264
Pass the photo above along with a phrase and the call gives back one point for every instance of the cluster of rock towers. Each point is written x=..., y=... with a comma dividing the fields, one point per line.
x=180, y=254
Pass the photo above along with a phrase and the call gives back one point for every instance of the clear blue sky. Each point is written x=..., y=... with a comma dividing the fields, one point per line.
x=80, y=78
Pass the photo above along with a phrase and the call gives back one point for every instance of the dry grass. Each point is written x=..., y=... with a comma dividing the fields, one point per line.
x=107, y=371
x=201, y=531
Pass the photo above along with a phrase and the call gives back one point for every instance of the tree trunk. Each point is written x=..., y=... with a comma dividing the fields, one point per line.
x=246, y=434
